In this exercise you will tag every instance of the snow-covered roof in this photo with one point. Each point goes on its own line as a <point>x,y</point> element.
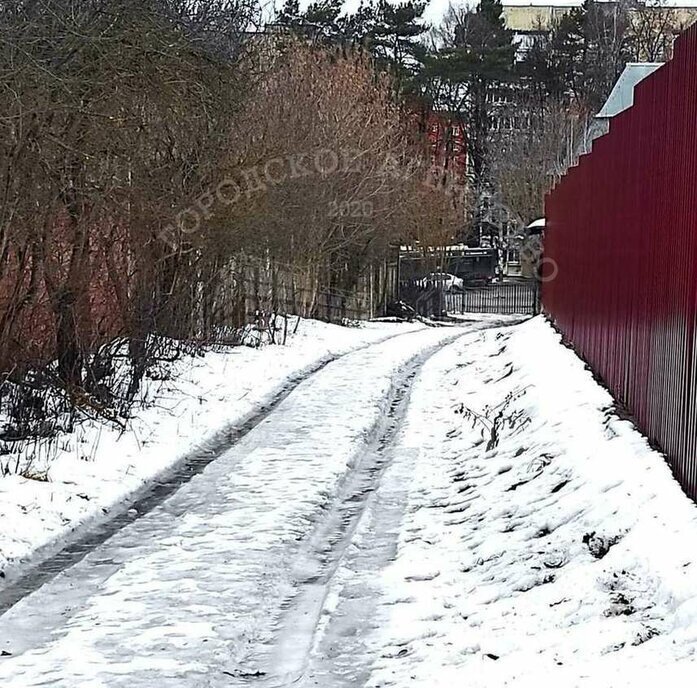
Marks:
<point>537,223</point>
<point>622,95</point>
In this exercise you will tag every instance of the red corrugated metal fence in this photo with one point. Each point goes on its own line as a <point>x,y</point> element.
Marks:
<point>622,231</point>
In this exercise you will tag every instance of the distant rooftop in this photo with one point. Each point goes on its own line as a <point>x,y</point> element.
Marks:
<point>533,17</point>
<point>524,15</point>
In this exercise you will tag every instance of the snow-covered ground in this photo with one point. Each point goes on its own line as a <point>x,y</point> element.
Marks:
<point>97,469</point>
<point>451,507</point>
<point>189,594</point>
<point>565,555</point>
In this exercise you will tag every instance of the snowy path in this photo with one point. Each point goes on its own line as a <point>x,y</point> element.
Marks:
<point>260,397</point>
<point>561,554</point>
<point>202,591</point>
<point>187,411</point>
<point>372,532</point>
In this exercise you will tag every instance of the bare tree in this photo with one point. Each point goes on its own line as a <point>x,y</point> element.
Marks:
<point>653,25</point>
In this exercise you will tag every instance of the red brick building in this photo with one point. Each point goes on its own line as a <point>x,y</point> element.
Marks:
<point>448,141</point>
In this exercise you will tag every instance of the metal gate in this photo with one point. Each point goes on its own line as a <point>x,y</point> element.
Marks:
<point>505,298</point>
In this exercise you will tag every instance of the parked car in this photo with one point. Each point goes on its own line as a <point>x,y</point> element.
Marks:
<point>444,280</point>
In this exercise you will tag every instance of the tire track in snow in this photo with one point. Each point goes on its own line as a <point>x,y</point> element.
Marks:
<point>297,657</point>
<point>46,566</point>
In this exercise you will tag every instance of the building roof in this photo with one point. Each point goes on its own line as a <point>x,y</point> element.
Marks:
<point>622,95</point>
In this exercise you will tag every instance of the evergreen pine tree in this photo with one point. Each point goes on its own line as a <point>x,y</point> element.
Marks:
<point>394,39</point>
<point>391,32</point>
<point>471,76</point>
<point>321,21</point>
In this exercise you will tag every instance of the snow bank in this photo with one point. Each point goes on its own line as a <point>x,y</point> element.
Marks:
<point>559,552</point>
<point>96,469</point>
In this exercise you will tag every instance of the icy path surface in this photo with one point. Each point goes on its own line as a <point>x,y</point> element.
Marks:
<point>200,591</point>
<point>191,408</point>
